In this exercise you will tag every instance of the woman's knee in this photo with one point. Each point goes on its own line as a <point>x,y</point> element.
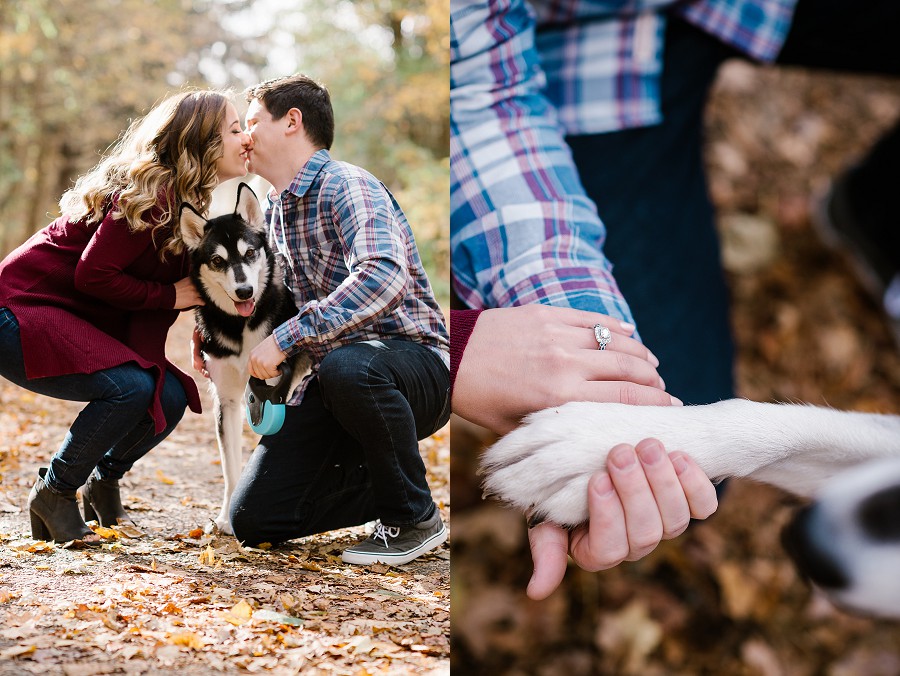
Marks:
<point>131,387</point>
<point>174,400</point>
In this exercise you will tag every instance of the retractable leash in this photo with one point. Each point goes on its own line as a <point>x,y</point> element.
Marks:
<point>265,403</point>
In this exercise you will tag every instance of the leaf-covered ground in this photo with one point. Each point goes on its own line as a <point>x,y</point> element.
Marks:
<point>173,600</point>
<point>723,599</point>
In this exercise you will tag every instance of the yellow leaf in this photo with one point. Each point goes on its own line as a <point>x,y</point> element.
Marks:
<point>107,533</point>
<point>239,613</point>
<point>163,478</point>
<point>265,546</point>
<point>188,639</point>
<point>208,556</point>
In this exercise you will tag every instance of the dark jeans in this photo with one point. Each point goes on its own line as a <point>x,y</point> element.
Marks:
<point>349,452</point>
<point>114,430</point>
<point>651,192</point>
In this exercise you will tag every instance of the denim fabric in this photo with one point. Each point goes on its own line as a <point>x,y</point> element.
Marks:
<point>114,430</point>
<point>349,452</point>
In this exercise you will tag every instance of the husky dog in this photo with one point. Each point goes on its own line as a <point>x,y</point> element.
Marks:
<point>848,543</point>
<point>240,281</point>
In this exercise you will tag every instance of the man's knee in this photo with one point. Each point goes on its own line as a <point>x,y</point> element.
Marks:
<point>247,521</point>
<point>348,372</point>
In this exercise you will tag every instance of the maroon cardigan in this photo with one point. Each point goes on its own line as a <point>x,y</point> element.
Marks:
<point>462,323</point>
<point>89,297</point>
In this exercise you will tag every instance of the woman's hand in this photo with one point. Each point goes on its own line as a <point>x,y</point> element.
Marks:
<point>186,294</point>
<point>197,360</point>
<point>645,496</point>
<point>522,359</point>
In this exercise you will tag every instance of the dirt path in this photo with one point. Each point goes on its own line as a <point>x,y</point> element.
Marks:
<point>176,601</point>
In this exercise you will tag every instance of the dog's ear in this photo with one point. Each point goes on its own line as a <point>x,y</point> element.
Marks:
<point>192,226</point>
<point>248,208</point>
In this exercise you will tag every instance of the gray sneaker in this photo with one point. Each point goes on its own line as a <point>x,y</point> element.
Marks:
<point>396,545</point>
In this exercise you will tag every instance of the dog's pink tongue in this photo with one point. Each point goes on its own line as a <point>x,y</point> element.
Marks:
<point>245,308</point>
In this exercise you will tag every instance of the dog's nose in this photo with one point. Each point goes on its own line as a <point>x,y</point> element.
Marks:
<point>244,292</point>
<point>808,543</point>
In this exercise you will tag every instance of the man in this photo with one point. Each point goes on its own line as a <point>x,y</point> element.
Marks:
<point>348,450</point>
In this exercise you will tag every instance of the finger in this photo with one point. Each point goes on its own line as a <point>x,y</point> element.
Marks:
<point>549,551</point>
<point>642,519</point>
<point>667,489</point>
<point>623,393</point>
<point>609,365</point>
<point>619,342</point>
<point>586,320</point>
<point>604,542</point>
<point>698,489</point>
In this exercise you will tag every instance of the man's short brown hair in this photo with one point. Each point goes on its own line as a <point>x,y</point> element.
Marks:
<point>298,91</point>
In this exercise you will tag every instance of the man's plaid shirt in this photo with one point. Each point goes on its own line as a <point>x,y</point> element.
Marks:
<point>521,78</point>
<point>350,258</point>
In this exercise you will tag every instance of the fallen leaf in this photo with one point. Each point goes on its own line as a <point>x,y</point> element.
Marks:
<point>208,556</point>
<point>239,613</point>
<point>188,639</point>
<point>17,651</point>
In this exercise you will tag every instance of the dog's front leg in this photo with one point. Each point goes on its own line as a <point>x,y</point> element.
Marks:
<point>544,466</point>
<point>228,409</point>
<point>229,425</point>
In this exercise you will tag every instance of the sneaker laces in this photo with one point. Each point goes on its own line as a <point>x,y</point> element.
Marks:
<point>384,532</point>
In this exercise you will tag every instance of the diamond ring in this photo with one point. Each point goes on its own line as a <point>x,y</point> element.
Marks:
<point>603,335</point>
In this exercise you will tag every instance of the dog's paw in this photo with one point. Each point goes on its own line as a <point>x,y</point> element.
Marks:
<point>219,526</point>
<point>543,467</point>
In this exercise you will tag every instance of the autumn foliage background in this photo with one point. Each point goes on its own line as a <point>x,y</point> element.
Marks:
<point>73,74</point>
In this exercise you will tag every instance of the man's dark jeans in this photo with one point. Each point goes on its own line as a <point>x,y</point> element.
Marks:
<point>114,430</point>
<point>349,452</point>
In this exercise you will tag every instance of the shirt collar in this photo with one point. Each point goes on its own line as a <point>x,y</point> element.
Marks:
<point>307,174</point>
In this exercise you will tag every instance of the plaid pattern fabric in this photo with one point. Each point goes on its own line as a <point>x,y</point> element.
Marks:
<point>349,256</point>
<point>521,78</point>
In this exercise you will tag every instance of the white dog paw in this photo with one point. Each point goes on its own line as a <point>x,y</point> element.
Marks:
<point>543,467</point>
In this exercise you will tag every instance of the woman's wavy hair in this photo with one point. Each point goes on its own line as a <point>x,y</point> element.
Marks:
<point>163,159</point>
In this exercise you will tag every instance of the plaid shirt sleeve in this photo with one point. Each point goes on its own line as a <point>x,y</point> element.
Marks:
<point>371,247</point>
<point>522,228</point>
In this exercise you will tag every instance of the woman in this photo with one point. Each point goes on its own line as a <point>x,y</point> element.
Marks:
<point>86,303</point>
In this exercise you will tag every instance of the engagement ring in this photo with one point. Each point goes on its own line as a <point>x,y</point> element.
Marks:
<point>603,336</point>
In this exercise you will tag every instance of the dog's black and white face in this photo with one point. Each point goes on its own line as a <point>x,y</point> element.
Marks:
<point>847,542</point>
<point>229,254</point>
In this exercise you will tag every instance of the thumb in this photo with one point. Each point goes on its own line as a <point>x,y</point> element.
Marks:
<point>549,551</point>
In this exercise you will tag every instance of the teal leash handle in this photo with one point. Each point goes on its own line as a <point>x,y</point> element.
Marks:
<point>266,403</point>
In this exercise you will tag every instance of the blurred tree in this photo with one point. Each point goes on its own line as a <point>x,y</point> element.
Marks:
<point>72,76</point>
<point>387,66</point>
<point>73,73</point>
